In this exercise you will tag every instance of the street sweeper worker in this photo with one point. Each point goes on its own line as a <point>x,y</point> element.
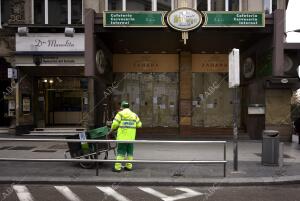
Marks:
<point>125,122</point>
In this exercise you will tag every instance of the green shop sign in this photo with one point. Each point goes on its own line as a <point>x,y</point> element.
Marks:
<point>134,19</point>
<point>156,19</point>
<point>233,19</point>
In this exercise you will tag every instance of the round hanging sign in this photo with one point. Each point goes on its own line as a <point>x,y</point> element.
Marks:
<point>184,19</point>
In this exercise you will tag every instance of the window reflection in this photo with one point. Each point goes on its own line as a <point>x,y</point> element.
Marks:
<point>58,12</point>
<point>76,11</point>
<point>164,4</point>
<point>139,5</point>
<point>114,4</point>
<point>234,5</point>
<point>218,5</point>
<point>267,6</point>
<point>202,5</point>
<point>39,12</point>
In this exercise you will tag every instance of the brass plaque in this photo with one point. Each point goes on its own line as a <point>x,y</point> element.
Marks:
<point>185,121</point>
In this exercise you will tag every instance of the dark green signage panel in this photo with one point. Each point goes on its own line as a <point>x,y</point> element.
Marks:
<point>234,19</point>
<point>134,19</point>
<point>156,19</point>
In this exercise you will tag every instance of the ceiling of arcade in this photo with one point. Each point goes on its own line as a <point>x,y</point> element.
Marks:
<point>169,41</point>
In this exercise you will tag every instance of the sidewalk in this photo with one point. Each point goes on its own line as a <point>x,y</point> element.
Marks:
<point>251,172</point>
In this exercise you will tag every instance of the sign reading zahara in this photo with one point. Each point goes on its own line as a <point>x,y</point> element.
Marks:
<point>183,19</point>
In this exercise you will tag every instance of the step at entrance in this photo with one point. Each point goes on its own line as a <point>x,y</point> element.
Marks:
<point>4,130</point>
<point>59,131</point>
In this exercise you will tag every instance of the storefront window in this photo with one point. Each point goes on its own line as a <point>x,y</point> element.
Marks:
<point>218,5</point>
<point>4,11</point>
<point>67,101</point>
<point>139,5</point>
<point>164,4</point>
<point>63,107</point>
<point>114,5</point>
<point>202,5</point>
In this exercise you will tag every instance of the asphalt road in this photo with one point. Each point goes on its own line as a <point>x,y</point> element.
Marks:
<point>16,192</point>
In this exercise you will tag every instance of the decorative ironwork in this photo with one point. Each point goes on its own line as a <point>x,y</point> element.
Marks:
<point>17,12</point>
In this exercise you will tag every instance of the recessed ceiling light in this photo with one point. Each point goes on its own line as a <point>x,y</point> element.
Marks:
<point>284,81</point>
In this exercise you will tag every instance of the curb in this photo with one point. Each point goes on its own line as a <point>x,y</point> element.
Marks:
<point>246,181</point>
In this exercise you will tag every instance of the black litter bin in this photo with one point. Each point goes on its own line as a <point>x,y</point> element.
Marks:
<point>270,148</point>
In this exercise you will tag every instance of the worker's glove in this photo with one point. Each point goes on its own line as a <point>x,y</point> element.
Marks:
<point>111,134</point>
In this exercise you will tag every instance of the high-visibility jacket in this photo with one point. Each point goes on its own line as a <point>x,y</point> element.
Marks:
<point>126,122</point>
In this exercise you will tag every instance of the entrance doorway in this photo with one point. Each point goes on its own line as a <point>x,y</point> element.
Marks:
<point>61,101</point>
<point>153,96</point>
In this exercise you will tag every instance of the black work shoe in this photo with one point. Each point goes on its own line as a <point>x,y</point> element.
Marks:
<point>127,169</point>
<point>114,170</point>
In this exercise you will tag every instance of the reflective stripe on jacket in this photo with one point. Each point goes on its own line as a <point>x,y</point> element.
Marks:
<point>126,122</point>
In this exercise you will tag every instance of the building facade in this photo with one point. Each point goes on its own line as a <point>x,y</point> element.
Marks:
<point>176,80</point>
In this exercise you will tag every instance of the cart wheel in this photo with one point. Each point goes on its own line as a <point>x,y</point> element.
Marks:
<point>87,165</point>
<point>84,165</point>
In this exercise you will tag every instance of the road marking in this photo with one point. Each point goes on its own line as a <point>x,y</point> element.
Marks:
<point>188,194</point>
<point>111,192</point>
<point>65,191</point>
<point>22,193</point>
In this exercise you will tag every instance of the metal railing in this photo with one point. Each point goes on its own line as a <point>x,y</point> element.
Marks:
<point>224,161</point>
